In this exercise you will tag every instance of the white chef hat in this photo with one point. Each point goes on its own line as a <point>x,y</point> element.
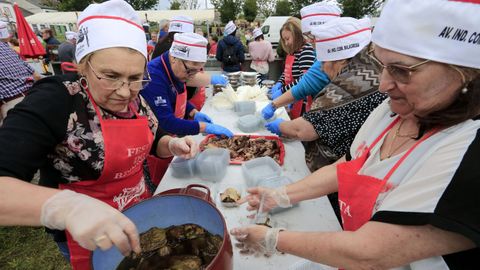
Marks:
<point>439,30</point>
<point>257,32</point>
<point>229,28</point>
<point>190,47</point>
<point>181,24</point>
<point>318,14</point>
<point>110,24</point>
<point>341,38</point>
<point>69,35</point>
<point>4,30</point>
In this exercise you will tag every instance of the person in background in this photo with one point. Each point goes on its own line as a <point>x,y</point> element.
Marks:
<point>89,135</point>
<point>408,187</point>
<point>146,28</point>
<point>167,93</point>
<point>309,84</point>
<point>153,41</point>
<point>248,36</point>
<point>261,53</point>
<point>178,24</point>
<point>300,57</point>
<point>16,76</point>
<point>48,37</point>
<point>230,50</point>
<point>13,42</point>
<point>163,27</point>
<point>213,41</point>
<point>66,50</point>
<point>199,31</point>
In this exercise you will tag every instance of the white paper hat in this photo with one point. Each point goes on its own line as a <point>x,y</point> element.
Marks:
<point>341,38</point>
<point>69,35</point>
<point>439,30</point>
<point>190,47</point>
<point>181,24</point>
<point>257,32</point>
<point>318,14</point>
<point>4,30</point>
<point>110,24</point>
<point>229,28</point>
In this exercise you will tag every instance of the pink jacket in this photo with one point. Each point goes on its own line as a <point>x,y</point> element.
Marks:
<point>261,52</point>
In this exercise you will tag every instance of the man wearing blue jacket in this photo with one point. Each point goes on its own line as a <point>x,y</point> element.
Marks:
<point>166,93</point>
<point>230,50</point>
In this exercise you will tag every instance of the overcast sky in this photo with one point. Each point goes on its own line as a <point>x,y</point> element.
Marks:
<point>165,4</point>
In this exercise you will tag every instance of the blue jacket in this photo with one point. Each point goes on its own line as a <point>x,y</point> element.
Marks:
<point>161,95</point>
<point>311,83</point>
<point>231,40</point>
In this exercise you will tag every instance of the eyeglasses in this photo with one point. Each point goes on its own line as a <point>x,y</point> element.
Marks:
<point>190,71</point>
<point>115,84</point>
<point>399,73</point>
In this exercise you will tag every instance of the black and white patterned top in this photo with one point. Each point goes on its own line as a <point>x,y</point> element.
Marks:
<point>304,59</point>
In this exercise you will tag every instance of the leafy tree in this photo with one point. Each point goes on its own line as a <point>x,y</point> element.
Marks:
<point>228,9</point>
<point>283,8</point>
<point>174,5</point>
<point>250,10</point>
<point>358,9</point>
<point>142,4</point>
<point>299,4</point>
<point>266,7</point>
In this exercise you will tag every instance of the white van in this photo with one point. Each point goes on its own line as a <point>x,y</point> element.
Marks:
<point>271,29</point>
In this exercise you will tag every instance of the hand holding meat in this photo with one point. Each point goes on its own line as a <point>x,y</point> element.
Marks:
<point>184,147</point>
<point>91,222</point>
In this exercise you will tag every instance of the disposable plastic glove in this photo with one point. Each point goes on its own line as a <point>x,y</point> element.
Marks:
<point>276,90</point>
<point>256,240</point>
<point>91,222</point>
<point>274,126</point>
<point>184,147</point>
<point>218,79</point>
<point>273,198</point>
<point>268,111</point>
<point>218,130</point>
<point>201,117</point>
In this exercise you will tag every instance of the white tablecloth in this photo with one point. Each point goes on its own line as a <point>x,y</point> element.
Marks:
<point>312,215</point>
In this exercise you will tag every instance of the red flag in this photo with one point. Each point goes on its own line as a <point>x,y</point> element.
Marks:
<point>30,46</point>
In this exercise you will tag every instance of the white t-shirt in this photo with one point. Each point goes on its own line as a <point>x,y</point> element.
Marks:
<point>437,184</point>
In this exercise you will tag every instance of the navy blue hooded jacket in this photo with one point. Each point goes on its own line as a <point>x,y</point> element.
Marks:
<point>231,40</point>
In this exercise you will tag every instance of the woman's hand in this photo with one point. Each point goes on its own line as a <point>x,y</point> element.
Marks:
<point>184,147</point>
<point>256,240</point>
<point>91,222</point>
<point>272,198</point>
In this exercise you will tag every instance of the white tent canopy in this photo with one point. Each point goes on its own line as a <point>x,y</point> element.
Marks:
<point>199,16</point>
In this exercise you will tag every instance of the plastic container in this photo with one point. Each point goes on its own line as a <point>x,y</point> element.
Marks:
<point>244,107</point>
<point>211,164</point>
<point>183,168</point>
<point>259,169</point>
<point>268,83</point>
<point>249,123</point>
<point>275,182</point>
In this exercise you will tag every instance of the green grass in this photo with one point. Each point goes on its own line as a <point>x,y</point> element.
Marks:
<point>27,248</point>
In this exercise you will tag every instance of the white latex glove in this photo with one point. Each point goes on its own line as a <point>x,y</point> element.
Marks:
<point>273,198</point>
<point>256,240</point>
<point>91,222</point>
<point>184,147</point>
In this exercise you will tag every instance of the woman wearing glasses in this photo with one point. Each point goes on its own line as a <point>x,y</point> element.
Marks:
<point>408,188</point>
<point>167,94</point>
<point>89,135</point>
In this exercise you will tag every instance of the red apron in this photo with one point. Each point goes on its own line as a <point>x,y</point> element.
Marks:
<point>358,193</point>
<point>158,166</point>
<point>198,99</point>
<point>296,110</point>
<point>121,184</point>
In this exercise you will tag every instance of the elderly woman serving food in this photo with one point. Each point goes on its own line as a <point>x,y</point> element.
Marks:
<point>408,186</point>
<point>88,134</point>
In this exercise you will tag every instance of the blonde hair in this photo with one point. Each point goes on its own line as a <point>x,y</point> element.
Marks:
<point>294,26</point>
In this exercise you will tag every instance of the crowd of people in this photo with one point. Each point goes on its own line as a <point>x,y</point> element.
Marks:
<point>389,118</point>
